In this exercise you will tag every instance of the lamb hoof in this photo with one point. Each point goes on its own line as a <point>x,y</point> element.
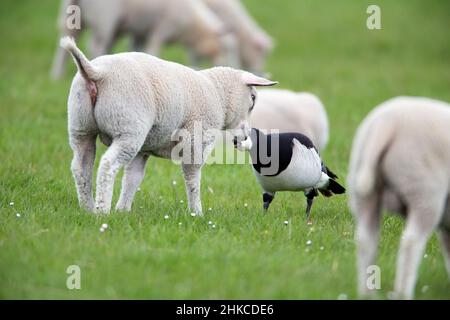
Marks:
<point>98,210</point>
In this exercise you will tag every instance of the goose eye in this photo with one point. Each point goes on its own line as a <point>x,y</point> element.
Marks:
<point>253,97</point>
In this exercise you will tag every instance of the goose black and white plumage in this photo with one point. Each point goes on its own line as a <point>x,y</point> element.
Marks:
<point>296,166</point>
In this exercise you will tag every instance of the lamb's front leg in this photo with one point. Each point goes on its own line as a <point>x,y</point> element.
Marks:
<point>134,173</point>
<point>82,167</point>
<point>192,177</point>
<point>192,169</point>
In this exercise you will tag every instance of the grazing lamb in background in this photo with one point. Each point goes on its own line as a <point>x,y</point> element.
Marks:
<point>400,161</point>
<point>136,103</point>
<point>290,111</point>
<point>151,24</point>
<point>254,43</point>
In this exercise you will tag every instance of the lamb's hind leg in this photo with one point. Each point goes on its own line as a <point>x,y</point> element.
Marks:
<point>444,236</point>
<point>134,173</point>
<point>367,211</point>
<point>422,219</point>
<point>82,166</point>
<point>121,151</point>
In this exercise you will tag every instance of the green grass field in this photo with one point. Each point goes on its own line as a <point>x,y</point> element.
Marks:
<point>321,46</point>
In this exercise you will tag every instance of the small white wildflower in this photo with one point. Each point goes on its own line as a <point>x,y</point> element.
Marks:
<point>308,243</point>
<point>102,230</point>
<point>286,222</point>
<point>105,226</point>
<point>210,190</point>
<point>166,216</point>
<point>425,288</point>
<point>18,215</point>
<point>174,182</point>
<point>321,248</point>
<point>11,203</point>
<point>425,256</point>
<point>180,223</point>
<point>181,201</point>
<point>309,223</point>
<point>193,214</point>
<point>138,189</point>
<point>245,205</point>
<point>210,222</point>
<point>214,226</point>
<point>209,209</point>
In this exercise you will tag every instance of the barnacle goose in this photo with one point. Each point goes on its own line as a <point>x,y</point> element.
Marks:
<point>288,162</point>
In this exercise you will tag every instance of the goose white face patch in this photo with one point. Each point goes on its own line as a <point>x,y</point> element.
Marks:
<point>247,144</point>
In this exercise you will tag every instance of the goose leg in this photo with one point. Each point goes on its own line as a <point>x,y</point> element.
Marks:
<point>310,195</point>
<point>267,199</point>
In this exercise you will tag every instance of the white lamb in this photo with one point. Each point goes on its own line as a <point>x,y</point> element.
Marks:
<point>253,42</point>
<point>136,103</point>
<point>151,25</point>
<point>290,111</point>
<point>400,161</point>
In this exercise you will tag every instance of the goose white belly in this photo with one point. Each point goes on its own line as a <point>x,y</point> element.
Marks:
<point>304,171</point>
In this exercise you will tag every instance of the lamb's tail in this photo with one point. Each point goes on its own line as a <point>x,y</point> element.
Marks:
<point>85,67</point>
<point>371,142</point>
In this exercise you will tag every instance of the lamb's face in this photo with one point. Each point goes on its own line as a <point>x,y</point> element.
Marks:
<point>242,104</point>
<point>243,97</point>
<point>241,136</point>
<point>237,95</point>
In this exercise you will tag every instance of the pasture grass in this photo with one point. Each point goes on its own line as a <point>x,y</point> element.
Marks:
<point>321,46</point>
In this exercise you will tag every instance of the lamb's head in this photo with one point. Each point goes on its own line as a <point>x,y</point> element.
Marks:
<point>210,39</point>
<point>220,47</point>
<point>238,95</point>
<point>255,50</point>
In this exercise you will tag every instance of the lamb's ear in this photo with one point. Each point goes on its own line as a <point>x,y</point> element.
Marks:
<point>252,80</point>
